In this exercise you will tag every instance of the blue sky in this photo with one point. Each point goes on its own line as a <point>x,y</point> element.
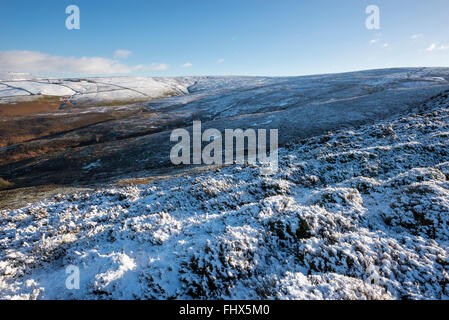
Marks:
<point>209,37</point>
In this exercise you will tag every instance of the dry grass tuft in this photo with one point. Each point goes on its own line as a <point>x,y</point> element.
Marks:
<point>4,184</point>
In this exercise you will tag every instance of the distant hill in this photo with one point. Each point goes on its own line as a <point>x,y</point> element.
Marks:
<point>16,76</point>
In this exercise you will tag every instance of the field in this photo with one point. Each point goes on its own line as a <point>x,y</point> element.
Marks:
<point>357,210</point>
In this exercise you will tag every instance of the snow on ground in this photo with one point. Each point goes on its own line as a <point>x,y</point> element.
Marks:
<point>132,88</point>
<point>222,90</point>
<point>18,76</point>
<point>353,214</point>
<point>39,88</point>
<point>93,90</point>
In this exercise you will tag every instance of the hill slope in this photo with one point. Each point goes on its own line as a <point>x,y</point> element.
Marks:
<point>351,214</point>
<point>133,139</point>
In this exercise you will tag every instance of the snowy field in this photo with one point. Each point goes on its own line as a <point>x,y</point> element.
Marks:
<point>91,90</point>
<point>345,208</point>
<point>109,134</point>
<point>222,91</point>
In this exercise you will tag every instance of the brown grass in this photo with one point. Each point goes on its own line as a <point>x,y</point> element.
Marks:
<point>4,184</point>
<point>41,104</point>
<point>134,181</point>
<point>14,130</point>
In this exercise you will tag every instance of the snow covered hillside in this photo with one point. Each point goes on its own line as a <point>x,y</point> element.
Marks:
<point>91,90</point>
<point>16,76</point>
<point>120,138</point>
<point>351,214</point>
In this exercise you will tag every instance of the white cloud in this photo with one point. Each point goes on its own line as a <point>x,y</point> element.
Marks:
<point>38,62</point>
<point>220,60</point>
<point>416,35</point>
<point>436,46</point>
<point>152,67</point>
<point>159,66</point>
<point>432,47</point>
<point>377,40</point>
<point>186,65</point>
<point>122,54</point>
